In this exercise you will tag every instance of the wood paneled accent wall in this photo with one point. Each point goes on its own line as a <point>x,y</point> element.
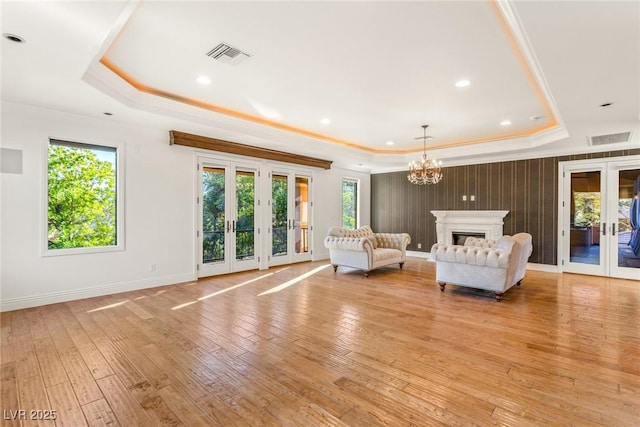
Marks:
<point>528,189</point>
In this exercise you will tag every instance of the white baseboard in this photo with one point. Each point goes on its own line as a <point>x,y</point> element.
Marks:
<point>544,267</point>
<point>11,304</point>
<point>419,254</point>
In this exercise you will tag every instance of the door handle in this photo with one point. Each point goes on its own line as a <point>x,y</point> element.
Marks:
<point>289,221</point>
<point>228,226</point>
<point>613,228</point>
<point>234,225</point>
<point>604,228</point>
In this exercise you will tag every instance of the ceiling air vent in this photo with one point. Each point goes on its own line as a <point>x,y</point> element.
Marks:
<point>612,138</point>
<point>227,54</point>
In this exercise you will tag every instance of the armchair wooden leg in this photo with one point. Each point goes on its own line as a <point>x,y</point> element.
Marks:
<point>442,285</point>
<point>499,296</point>
<point>401,265</point>
<point>335,268</point>
<point>519,282</point>
<point>366,274</point>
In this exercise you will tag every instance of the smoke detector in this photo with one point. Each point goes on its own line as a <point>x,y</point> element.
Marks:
<point>227,54</point>
<point>612,138</point>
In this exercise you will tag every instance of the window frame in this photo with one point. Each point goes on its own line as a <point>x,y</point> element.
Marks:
<point>356,181</point>
<point>120,209</point>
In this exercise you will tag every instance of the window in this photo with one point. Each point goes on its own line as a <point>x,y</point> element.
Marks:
<point>83,198</point>
<point>350,203</point>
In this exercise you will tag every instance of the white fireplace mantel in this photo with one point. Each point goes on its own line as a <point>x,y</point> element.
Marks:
<point>489,223</point>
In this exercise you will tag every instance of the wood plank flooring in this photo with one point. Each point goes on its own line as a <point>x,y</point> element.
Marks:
<point>275,348</point>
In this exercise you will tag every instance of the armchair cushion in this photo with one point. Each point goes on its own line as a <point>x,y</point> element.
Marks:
<point>483,257</point>
<point>480,242</point>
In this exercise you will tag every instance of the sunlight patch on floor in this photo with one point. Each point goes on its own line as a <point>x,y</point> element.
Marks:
<point>177,307</point>
<point>294,280</point>
<point>230,288</point>
<point>115,304</point>
<point>235,286</point>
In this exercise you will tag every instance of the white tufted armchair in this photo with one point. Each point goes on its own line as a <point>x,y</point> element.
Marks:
<point>365,250</point>
<point>494,265</point>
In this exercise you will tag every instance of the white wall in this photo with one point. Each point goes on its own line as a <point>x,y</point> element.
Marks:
<point>328,204</point>
<point>159,211</point>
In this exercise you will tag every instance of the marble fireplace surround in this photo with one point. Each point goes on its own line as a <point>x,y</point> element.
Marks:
<point>489,223</point>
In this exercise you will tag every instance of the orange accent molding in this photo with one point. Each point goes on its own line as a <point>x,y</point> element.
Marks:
<point>538,92</point>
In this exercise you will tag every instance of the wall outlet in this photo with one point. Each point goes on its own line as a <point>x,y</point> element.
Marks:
<point>419,245</point>
<point>464,197</point>
<point>473,198</point>
<point>152,267</point>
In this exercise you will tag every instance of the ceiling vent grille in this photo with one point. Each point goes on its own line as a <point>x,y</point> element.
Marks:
<point>613,138</point>
<point>227,54</point>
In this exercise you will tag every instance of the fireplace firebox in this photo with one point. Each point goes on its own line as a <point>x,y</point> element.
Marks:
<point>458,238</point>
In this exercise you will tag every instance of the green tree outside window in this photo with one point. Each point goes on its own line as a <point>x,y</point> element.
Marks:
<point>587,209</point>
<point>82,208</point>
<point>349,203</point>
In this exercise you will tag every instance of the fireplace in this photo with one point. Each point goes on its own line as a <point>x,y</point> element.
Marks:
<point>487,224</point>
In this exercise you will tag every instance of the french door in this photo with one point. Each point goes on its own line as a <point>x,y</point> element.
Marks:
<point>227,210</point>
<point>600,216</point>
<point>290,225</point>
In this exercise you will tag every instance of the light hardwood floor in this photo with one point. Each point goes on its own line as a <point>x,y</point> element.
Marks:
<point>331,349</point>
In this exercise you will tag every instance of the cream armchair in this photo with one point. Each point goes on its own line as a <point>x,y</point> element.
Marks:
<point>365,250</point>
<point>494,265</point>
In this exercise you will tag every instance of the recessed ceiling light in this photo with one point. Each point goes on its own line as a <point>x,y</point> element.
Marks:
<point>325,121</point>
<point>505,123</point>
<point>463,83</point>
<point>13,38</point>
<point>203,80</point>
<point>606,104</point>
<point>390,142</point>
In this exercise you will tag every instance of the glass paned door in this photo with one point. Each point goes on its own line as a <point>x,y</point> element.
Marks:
<point>584,232</point>
<point>244,225</point>
<point>624,229</point>
<point>302,215</point>
<point>213,215</point>
<point>227,237</point>
<point>600,217</point>
<point>280,223</point>
<point>290,217</point>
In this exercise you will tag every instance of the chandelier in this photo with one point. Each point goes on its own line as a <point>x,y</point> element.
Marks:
<point>427,171</point>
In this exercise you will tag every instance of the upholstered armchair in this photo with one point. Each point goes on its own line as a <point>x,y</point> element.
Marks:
<point>365,250</point>
<point>494,265</point>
